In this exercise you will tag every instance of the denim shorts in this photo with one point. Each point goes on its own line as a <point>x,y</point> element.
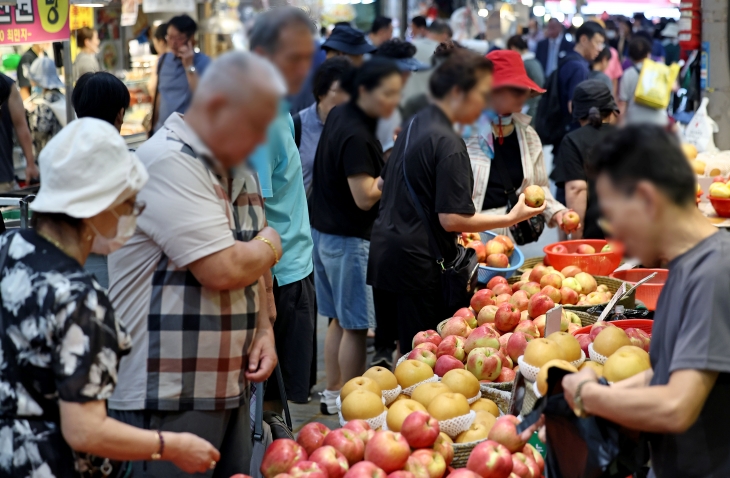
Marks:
<point>340,269</point>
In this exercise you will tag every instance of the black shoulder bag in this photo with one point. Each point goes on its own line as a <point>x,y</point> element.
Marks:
<point>459,277</point>
<point>523,232</point>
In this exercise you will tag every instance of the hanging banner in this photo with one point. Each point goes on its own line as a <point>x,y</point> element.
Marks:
<point>168,6</point>
<point>34,21</point>
<point>81,17</point>
<point>129,12</point>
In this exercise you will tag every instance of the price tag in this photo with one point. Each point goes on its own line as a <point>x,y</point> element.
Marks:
<point>616,297</point>
<point>552,320</point>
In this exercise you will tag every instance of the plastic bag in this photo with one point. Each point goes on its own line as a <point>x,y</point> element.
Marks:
<point>700,129</point>
<point>655,85</point>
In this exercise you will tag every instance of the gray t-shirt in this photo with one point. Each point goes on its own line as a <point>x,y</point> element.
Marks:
<point>638,113</point>
<point>312,128</point>
<point>692,331</point>
<point>85,63</point>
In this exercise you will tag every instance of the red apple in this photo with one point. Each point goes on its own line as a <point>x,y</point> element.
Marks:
<point>534,196</point>
<point>445,447</point>
<point>388,450</point>
<point>504,431</point>
<point>571,271</point>
<point>360,428</point>
<point>482,336</point>
<point>552,279</point>
<point>518,286</point>
<point>568,296</point>
<point>506,318</point>
<point>401,474</point>
<point>520,299</point>
<point>347,443</point>
<point>426,346</point>
<point>528,327</point>
<point>519,467</point>
<point>586,249</point>
<point>540,324</point>
<point>467,237</point>
<point>420,430</point>
<point>281,455</point>
<point>502,299</point>
<point>584,340</point>
<point>499,261</point>
<point>484,363</point>
<point>552,292</point>
<point>639,338</point>
<point>456,326</point>
<point>434,462</point>
<point>503,339</point>
<point>463,473</point>
<point>365,469</point>
<point>598,327</point>
<point>311,436</point>
<point>481,299</point>
<point>446,363</point>
<point>537,272</point>
<point>467,314</point>
<point>509,246</point>
<point>531,288</point>
<point>559,249</point>
<point>479,248</point>
<point>500,289</point>
<point>416,467</point>
<point>422,355</point>
<point>494,247</point>
<point>539,305</point>
<point>719,179</point>
<point>427,336</point>
<point>496,280</point>
<point>490,459</point>
<point>506,375</point>
<point>308,469</point>
<point>517,344</point>
<point>571,221</point>
<point>452,345</point>
<point>486,315</point>
<point>530,450</point>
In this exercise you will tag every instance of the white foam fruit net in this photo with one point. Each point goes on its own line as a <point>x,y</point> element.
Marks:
<point>409,390</point>
<point>536,391</point>
<point>375,423</point>
<point>390,395</point>
<point>401,360</point>
<point>474,398</point>
<point>456,425</point>
<point>595,356</point>
<point>528,371</point>
<point>579,362</point>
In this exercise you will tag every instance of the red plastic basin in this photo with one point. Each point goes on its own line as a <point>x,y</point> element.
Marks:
<point>648,292</point>
<point>643,324</point>
<point>721,205</point>
<point>598,264</point>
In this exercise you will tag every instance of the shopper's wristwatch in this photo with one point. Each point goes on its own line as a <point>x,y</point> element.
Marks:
<point>578,407</point>
<point>191,69</point>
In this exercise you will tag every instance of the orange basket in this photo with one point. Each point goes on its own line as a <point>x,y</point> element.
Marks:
<point>643,324</point>
<point>648,292</point>
<point>721,205</point>
<point>598,264</point>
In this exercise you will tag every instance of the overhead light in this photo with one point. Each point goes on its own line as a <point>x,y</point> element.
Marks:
<point>483,12</point>
<point>538,10</point>
<point>527,3</point>
<point>577,21</point>
<point>560,16</point>
<point>91,3</point>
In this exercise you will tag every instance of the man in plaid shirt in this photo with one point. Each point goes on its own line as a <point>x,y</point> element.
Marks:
<point>188,284</point>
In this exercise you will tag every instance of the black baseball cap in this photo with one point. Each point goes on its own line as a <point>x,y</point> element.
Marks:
<point>348,40</point>
<point>589,94</point>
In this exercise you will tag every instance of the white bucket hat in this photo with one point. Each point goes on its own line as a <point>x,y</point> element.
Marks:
<point>85,169</point>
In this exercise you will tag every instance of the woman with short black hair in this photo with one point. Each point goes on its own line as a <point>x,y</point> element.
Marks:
<point>103,96</point>
<point>345,195</point>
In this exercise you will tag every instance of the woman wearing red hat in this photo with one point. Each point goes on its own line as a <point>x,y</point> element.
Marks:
<point>505,151</point>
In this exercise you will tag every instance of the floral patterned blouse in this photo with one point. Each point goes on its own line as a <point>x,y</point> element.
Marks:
<point>43,122</point>
<point>61,338</point>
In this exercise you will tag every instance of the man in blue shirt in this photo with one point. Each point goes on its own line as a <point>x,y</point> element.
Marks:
<point>590,40</point>
<point>284,36</point>
<point>179,69</point>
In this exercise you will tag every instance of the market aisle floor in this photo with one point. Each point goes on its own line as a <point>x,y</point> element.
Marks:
<point>303,414</point>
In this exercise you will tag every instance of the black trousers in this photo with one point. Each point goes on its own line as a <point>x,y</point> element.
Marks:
<point>294,331</point>
<point>400,316</point>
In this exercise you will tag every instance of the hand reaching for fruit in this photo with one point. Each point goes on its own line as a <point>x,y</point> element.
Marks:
<point>569,221</point>
<point>522,212</point>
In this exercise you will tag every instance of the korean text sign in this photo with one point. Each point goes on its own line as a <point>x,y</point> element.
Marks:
<point>34,21</point>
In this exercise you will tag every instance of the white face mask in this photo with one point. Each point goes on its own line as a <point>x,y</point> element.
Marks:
<point>125,230</point>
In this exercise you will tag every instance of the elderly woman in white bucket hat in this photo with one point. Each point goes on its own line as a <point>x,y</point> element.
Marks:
<point>48,107</point>
<point>60,341</point>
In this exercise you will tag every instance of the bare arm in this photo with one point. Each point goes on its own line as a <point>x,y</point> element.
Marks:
<point>485,222</point>
<point>262,357</point>
<point>17,114</point>
<point>671,408</point>
<point>87,428</point>
<point>238,266</point>
<point>365,190</point>
<point>576,197</point>
<point>269,289</point>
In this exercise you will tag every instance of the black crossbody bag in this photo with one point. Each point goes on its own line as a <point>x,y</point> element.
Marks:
<point>523,232</point>
<point>458,277</point>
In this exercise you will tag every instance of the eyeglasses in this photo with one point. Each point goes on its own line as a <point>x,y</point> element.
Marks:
<point>176,38</point>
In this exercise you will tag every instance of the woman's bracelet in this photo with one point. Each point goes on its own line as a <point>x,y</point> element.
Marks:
<point>161,450</point>
<point>273,248</point>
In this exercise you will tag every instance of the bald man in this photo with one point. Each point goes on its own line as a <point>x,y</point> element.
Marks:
<point>190,290</point>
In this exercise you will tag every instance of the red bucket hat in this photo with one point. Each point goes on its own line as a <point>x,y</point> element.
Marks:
<point>509,71</point>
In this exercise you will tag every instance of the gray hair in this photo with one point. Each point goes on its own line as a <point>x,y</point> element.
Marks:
<point>269,25</point>
<point>224,74</point>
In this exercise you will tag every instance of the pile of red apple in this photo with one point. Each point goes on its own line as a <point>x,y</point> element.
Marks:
<point>420,450</point>
<point>495,253</point>
<point>570,286</point>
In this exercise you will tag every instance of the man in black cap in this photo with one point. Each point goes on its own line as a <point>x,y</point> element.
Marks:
<point>347,41</point>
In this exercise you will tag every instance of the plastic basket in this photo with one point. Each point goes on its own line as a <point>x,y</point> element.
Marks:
<point>600,263</point>
<point>515,262</point>
<point>643,324</point>
<point>648,293</point>
<point>721,205</point>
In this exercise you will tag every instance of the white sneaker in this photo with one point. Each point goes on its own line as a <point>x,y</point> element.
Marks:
<point>328,402</point>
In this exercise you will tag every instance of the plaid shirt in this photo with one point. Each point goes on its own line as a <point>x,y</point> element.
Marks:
<point>197,339</point>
